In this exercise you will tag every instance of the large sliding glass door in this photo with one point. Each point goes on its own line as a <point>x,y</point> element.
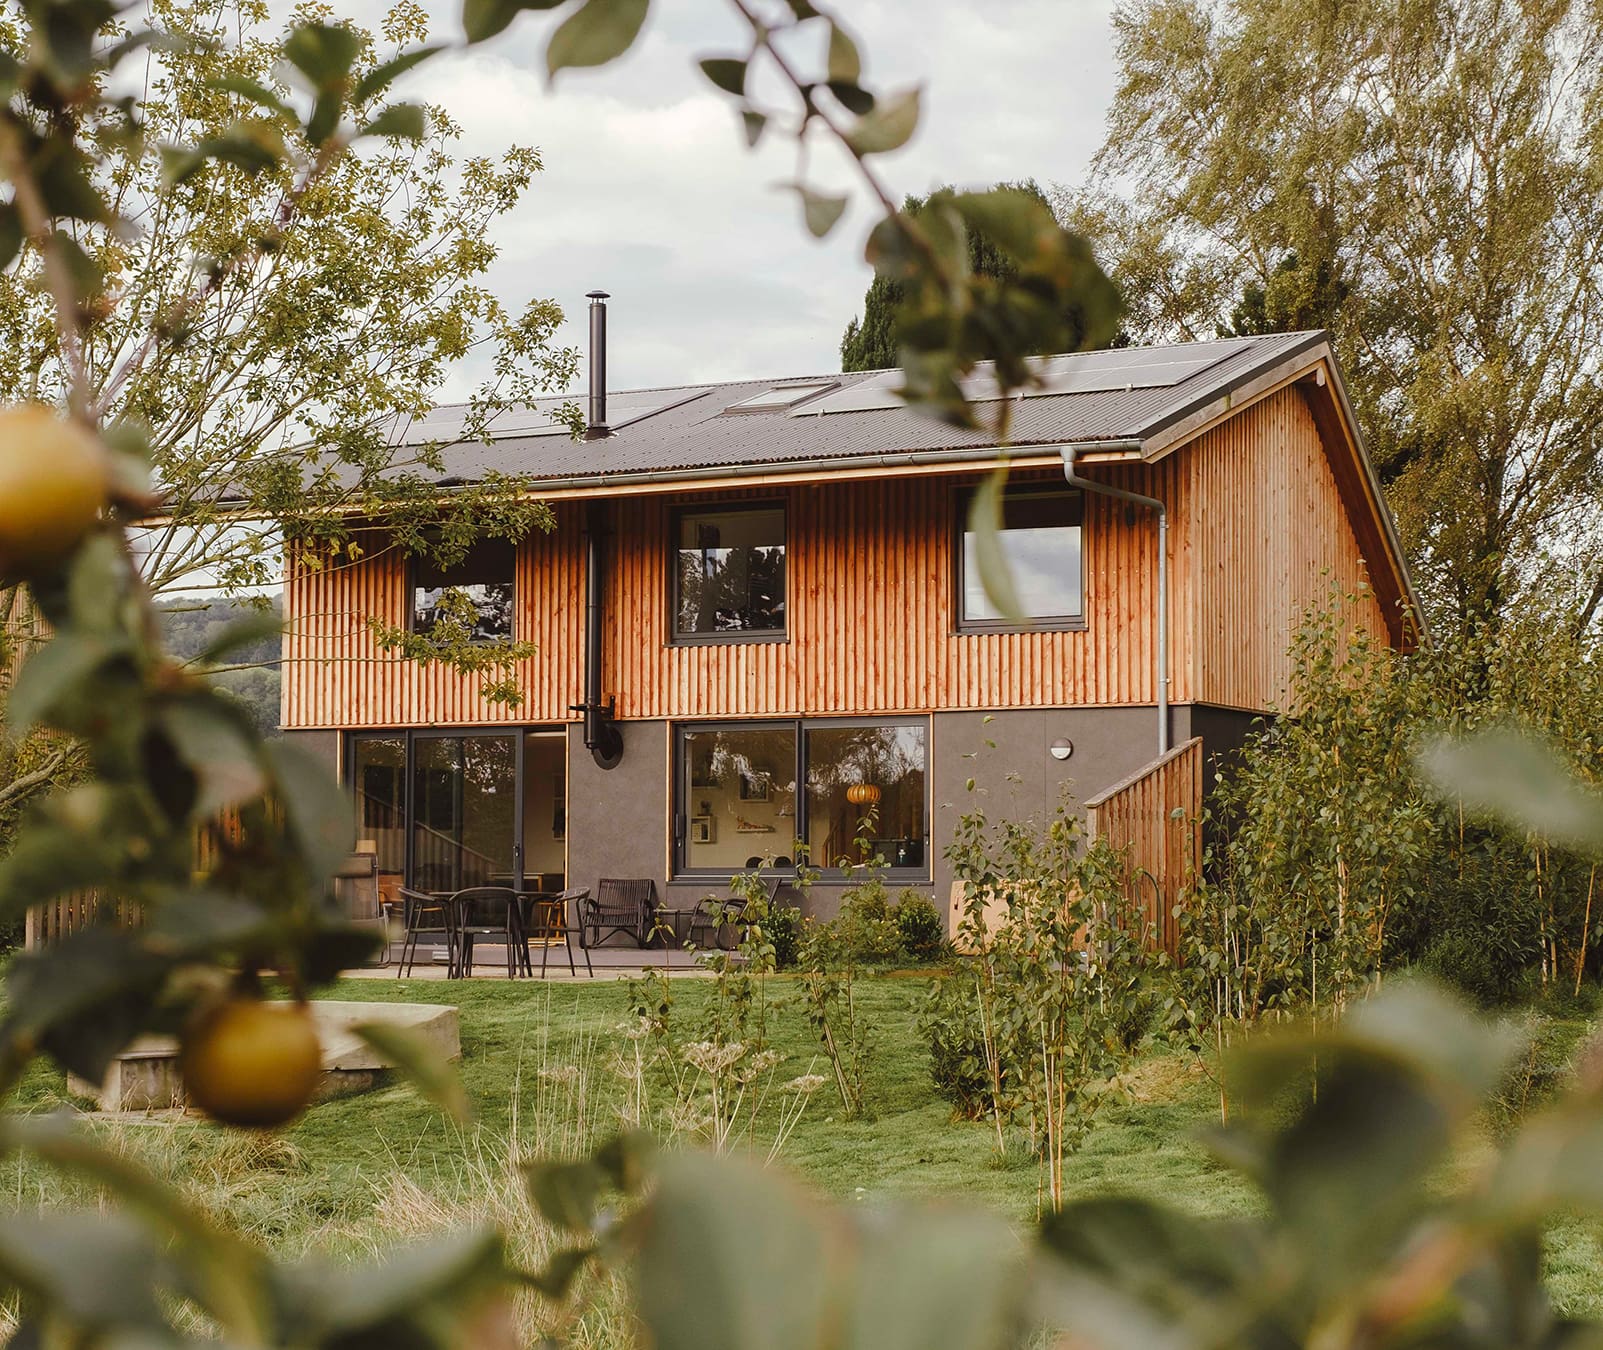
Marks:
<point>465,819</point>
<point>449,809</point>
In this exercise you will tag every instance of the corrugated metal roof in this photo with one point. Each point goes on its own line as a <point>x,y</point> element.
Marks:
<point>687,427</point>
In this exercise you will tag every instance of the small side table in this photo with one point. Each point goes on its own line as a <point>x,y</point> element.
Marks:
<point>676,923</point>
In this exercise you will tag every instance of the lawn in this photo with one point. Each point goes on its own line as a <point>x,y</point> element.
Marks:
<point>549,1071</point>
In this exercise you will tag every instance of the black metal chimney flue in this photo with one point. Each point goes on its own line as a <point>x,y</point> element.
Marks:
<point>596,423</point>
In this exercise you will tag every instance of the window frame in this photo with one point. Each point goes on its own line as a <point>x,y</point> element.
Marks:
<point>412,589</point>
<point>738,635</point>
<point>680,797</point>
<point>962,499</point>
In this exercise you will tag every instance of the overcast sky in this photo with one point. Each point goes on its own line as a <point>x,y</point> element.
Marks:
<point>649,192</point>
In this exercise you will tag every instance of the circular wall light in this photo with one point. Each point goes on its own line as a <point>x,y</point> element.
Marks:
<point>1061,748</point>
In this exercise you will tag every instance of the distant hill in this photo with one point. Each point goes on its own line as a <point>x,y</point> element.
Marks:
<point>190,623</point>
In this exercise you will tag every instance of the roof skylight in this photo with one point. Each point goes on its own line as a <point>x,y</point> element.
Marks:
<point>783,396</point>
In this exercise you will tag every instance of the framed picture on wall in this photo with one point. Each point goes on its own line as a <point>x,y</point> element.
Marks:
<point>753,787</point>
<point>703,830</point>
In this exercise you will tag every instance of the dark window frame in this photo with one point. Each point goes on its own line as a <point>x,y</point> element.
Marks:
<point>739,635</point>
<point>679,800</point>
<point>962,497</point>
<point>412,589</point>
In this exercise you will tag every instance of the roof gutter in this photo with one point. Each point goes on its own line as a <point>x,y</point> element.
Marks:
<point>1161,675</point>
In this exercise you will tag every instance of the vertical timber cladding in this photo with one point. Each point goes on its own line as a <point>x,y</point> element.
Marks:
<point>336,676</point>
<point>870,574</point>
<point>1273,539</point>
<point>1258,534</point>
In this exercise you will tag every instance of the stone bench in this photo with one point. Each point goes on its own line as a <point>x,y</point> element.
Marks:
<point>145,1076</point>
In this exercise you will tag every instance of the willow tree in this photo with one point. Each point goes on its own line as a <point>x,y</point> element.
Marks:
<point>1424,179</point>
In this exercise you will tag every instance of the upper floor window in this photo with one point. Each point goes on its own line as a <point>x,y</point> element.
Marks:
<point>477,590</point>
<point>1040,539</point>
<point>729,573</point>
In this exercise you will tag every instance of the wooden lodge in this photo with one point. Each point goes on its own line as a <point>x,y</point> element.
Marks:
<point>759,612</point>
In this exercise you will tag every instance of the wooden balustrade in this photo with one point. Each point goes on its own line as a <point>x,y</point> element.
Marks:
<point>1155,817</point>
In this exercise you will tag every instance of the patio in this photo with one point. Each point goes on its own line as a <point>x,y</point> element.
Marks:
<point>490,962</point>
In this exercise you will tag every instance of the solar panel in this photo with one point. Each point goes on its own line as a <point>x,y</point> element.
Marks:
<point>527,421</point>
<point>625,409</point>
<point>1079,373</point>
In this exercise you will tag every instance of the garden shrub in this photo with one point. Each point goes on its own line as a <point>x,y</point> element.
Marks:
<point>785,933</point>
<point>866,928</point>
<point>920,930</point>
<point>960,1068</point>
<point>1057,983</point>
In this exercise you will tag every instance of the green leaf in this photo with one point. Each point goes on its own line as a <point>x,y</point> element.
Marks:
<point>1014,221</point>
<point>85,998</point>
<point>1508,774</point>
<point>566,1193</point>
<point>483,19</point>
<point>925,1278</point>
<point>10,235</point>
<point>208,737</point>
<point>323,52</point>
<point>626,1160</point>
<point>96,1270</point>
<point>845,64</point>
<point>366,1306</point>
<point>597,32</point>
<point>405,121</point>
<point>62,172</point>
<point>254,91</point>
<point>556,1277</point>
<point>732,1256</point>
<point>221,1272</point>
<point>58,677</point>
<point>377,80</point>
<point>820,210</point>
<point>853,97</point>
<point>990,561</point>
<point>421,1061</point>
<point>318,809</point>
<point>249,629</point>
<point>199,922</point>
<point>727,72</point>
<point>753,124</point>
<point>888,127</point>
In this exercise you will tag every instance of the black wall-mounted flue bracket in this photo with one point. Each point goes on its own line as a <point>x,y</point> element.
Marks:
<point>603,737</point>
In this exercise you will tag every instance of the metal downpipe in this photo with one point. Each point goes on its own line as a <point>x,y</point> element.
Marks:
<point>1152,504</point>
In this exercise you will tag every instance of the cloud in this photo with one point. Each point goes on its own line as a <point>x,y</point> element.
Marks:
<point>649,192</point>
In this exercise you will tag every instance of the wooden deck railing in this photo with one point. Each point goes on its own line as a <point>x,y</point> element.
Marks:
<point>1164,848</point>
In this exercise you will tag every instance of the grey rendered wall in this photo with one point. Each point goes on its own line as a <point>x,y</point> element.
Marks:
<point>1015,777</point>
<point>618,818</point>
<point>325,745</point>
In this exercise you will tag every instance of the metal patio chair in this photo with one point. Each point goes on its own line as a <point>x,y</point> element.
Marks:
<point>547,924</point>
<point>423,912</point>
<point>626,906</point>
<point>486,912</point>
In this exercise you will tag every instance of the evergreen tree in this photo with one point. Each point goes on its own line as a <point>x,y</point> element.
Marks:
<point>870,343</point>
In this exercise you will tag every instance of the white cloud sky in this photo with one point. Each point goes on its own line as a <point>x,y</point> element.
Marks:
<point>649,192</point>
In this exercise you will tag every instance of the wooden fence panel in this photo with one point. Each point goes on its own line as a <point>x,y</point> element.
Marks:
<point>1164,850</point>
<point>59,917</point>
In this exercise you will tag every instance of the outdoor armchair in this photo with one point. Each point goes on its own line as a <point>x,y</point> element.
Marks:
<point>619,906</point>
